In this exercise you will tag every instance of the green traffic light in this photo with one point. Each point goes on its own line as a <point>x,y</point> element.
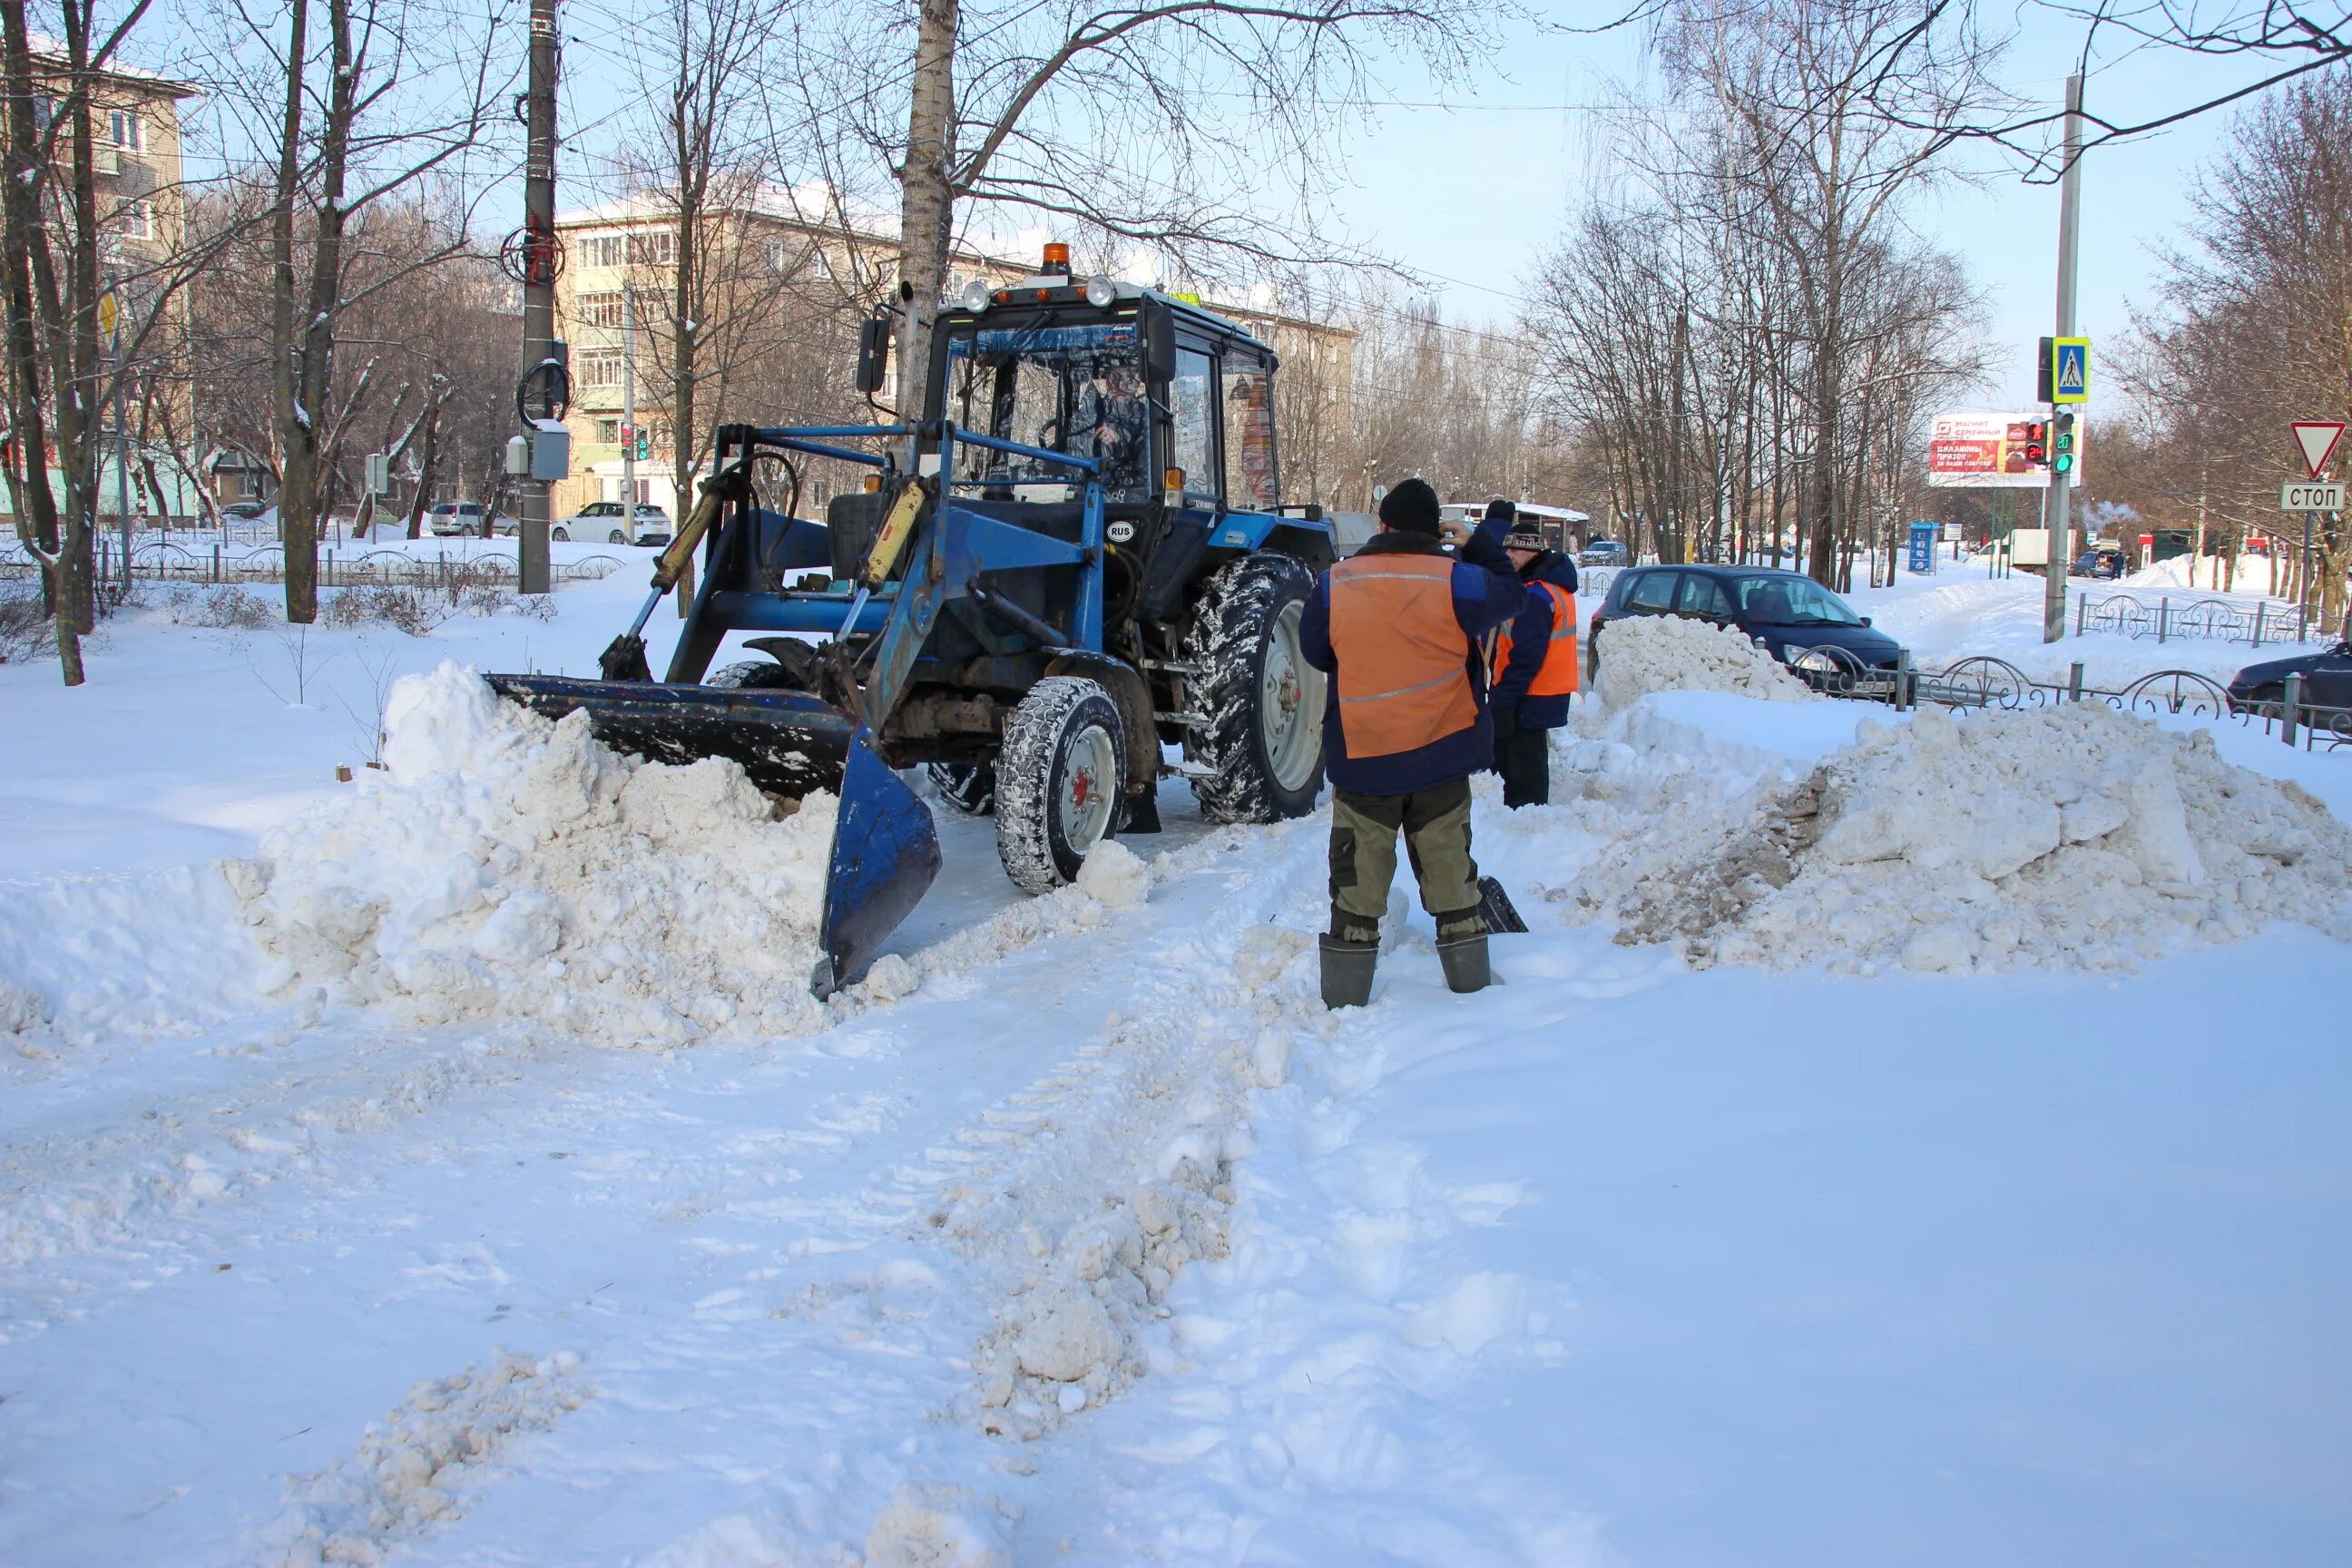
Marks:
<point>2063,463</point>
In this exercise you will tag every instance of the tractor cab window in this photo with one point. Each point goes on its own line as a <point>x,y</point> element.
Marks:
<point>1194,448</point>
<point>1077,390</point>
<point>1250,479</point>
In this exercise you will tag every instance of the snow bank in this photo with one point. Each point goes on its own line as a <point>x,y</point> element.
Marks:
<point>413,1471</point>
<point>1643,654</point>
<point>2074,838</point>
<point>509,865</point>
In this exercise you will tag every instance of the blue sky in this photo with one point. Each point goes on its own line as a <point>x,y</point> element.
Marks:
<point>1478,193</point>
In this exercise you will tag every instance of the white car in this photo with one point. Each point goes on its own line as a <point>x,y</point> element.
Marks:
<point>605,517</point>
<point>453,518</point>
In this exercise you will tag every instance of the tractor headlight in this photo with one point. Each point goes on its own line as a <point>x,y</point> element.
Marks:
<point>1101,292</point>
<point>975,295</point>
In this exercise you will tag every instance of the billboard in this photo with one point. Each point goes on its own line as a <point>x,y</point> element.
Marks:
<point>1986,450</point>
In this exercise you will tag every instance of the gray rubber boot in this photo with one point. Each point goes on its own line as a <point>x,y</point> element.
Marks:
<point>1347,971</point>
<point>1464,958</point>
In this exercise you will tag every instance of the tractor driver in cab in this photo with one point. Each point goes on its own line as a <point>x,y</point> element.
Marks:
<point>1109,425</point>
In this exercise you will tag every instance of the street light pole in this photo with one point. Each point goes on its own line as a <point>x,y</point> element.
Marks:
<point>539,288</point>
<point>2054,503</point>
<point>629,409</point>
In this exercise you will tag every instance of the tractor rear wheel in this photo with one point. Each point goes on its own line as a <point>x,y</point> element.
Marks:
<point>1262,703</point>
<point>1058,781</point>
<point>969,787</point>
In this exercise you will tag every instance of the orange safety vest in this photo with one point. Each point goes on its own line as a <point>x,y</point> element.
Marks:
<point>1557,678</point>
<point>1404,680</point>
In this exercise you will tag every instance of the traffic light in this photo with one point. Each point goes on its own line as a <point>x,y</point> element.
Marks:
<point>2045,372</point>
<point>645,445</point>
<point>2037,444</point>
<point>2061,445</point>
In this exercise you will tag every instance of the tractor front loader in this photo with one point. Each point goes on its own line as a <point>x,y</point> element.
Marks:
<point>1074,559</point>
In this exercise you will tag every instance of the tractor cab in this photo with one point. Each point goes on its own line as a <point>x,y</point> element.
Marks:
<point>1172,401</point>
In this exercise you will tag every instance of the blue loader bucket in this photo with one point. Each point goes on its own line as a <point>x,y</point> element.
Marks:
<point>886,849</point>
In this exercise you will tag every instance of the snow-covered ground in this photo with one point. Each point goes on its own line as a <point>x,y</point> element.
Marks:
<point>1081,1233</point>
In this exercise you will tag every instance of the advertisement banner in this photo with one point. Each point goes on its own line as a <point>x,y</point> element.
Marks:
<point>1986,450</point>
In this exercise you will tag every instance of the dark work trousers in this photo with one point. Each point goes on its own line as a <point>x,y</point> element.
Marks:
<point>1523,759</point>
<point>1435,823</point>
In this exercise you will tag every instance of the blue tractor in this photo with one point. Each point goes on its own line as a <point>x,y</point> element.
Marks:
<point>1076,559</point>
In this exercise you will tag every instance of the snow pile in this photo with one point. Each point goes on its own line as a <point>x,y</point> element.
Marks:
<point>410,1471</point>
<point>2074,838</point>
<point>1643,654</point>
<point>513,866</point>
<point>936,1527</point>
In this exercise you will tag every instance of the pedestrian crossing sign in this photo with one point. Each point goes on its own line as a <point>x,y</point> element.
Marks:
<point>2071,382</point>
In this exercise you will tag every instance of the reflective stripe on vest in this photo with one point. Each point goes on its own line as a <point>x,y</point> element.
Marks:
<point>1557,676</point>
<point>1403,676</point>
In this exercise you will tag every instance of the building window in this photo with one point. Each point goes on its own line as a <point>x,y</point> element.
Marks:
<point>135,220</point>
<point>608,432</point>
<point>599,310</point>
<point>600,250</point>
<point>652,248</point>
<point>127,130</point>
<point>600,367</point>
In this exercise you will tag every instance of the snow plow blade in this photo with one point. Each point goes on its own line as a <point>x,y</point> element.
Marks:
<point>886,850</point>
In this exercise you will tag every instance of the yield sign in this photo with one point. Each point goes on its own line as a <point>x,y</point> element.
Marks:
<point>2317,438</point>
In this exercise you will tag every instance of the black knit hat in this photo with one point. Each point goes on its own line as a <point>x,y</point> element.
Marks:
<point>1410,508</point>
<point>1499,508</point>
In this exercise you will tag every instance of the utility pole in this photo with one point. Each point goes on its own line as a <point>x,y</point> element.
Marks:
<point>112,315</point>
<point>539,345</point>
<point>2054,502</point>
<point>629,410</point>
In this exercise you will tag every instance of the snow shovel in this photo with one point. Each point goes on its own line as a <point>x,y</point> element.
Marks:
<point>1495,907</point>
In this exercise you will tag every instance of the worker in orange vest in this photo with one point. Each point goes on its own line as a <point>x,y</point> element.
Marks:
<point>1398,626</point>
<point>1531,662</point>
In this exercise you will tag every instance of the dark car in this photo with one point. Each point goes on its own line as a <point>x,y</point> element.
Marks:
<point>2327,682</point>
<point>1785,614</point>
<point>1601,552</point>
<point>247,511</point>
<point>2098,564</point>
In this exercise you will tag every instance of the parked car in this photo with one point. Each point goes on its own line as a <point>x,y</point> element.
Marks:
<point>1601,552</point>
<point>2098,564</point>
<point>1785,614</point>
<point>248,511</point>
<point>606,518</point>
<point>466,517</point>
<point>2327,682</point>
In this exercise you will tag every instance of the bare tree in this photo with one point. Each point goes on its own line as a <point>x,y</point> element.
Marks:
<point>365,101</point>
<point>1139,122</point>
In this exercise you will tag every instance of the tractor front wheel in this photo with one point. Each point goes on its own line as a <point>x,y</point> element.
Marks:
<point>1058,781</point>
<point>1261,704</point>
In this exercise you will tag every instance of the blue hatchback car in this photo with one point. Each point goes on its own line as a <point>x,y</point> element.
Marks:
<point>1778,611</point>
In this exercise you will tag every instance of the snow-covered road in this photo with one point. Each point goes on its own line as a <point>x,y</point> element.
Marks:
<point>1092,1239</point>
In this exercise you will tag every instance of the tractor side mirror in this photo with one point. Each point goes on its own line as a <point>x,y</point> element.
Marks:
<point>1158,345</point>
<point>873,352</point>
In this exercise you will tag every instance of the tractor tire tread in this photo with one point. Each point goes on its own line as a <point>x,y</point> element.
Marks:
<point>1027,841</point>
<point>1227,642</point>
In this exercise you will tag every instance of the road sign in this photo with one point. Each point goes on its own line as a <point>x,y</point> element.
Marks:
<point>2317,438</point>
<point>109,312</point>
<point>2071,379</point>
<point>2304,496</point>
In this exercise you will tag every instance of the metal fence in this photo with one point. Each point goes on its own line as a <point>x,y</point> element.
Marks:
<point>161,561</point>
<point>1984,682</point>
<point>2223,620</point>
